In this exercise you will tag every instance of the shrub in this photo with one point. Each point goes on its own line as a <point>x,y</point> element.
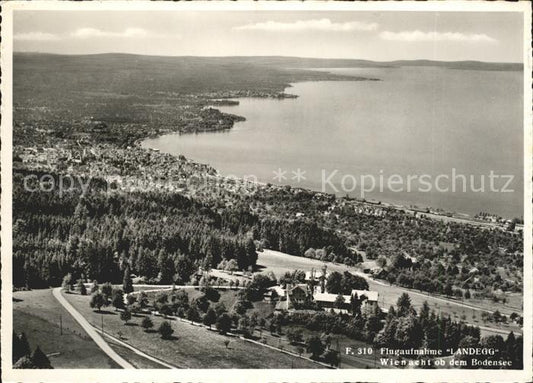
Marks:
<point>147,323</point>
<point>125,316</point>
<point>81,287</point>
<point>224,323</point>
<point>210,318</point>
<point>165,329</point>
<point>315,347</point>
<point>165,310</point>
<point>212,294</point>
<point>294,335</point>
<point>24,363</point>
<point>332,357</point>
<point>67,282</point>
<point>97,301</point>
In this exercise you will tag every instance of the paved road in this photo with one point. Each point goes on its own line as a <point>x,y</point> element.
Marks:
<point>90,330</point>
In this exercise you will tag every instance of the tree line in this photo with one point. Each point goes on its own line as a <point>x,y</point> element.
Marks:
<point>161,237</point>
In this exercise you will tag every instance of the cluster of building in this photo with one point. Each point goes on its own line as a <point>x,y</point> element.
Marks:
<point>248,93</point>
<point>314,290</point>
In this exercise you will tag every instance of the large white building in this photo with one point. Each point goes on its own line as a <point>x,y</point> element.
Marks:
<point>327,300</point>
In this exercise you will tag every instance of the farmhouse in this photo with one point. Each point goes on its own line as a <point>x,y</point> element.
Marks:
<point>298,294</point>
<point>371,301</point>
<point>273,293</point>
<point>314,276</point>
<point>327,300</point>
<point>314,290</point>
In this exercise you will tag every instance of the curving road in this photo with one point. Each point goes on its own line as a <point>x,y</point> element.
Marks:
<point>90,330</point>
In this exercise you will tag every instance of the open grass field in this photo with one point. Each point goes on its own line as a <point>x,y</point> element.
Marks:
<point>279,263</point>
<point>191,346</point>
<point>264,309</point>
<point>339,343</point>
<point>36,313</point>
<point>137,361</point>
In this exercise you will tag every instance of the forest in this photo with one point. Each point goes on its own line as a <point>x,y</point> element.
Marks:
<point>164,237</point>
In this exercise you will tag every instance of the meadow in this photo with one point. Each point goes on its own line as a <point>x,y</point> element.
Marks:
<point>190,346</point>
<point>37,314</point>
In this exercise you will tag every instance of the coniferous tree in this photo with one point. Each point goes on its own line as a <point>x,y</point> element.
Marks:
<point>21,346</point>
<point>117,299</point>
<point>127,284</point>
<point>81,287</point>
<point>403,304</point>
<point>95,288</point>
<point>210,317</point>
<point>40,360</point>
<point>67,282</point>
<point>125,315</point>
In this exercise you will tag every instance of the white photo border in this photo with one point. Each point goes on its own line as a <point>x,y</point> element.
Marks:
<point>250,375</point>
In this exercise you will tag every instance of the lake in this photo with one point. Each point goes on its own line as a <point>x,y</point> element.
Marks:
<point>410,135</point>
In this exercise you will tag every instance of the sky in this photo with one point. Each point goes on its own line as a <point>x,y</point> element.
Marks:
<point>380,35</point>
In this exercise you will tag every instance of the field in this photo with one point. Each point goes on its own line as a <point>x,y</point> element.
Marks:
<point>36,313</point>
<point>191,346</point>
<point>264,309</point>
<point>279,263</point>
<point>341,342</point>
<point>137,361</point>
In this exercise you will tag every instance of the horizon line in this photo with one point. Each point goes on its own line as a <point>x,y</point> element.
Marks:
<point>264,56</point>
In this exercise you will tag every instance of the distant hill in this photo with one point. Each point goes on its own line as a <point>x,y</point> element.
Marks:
<point>112,86</point>
<point>284,61</point>
<point>59,75</point>
<point>300,62</point>
<point>155,90</point>
<point>123,87</point>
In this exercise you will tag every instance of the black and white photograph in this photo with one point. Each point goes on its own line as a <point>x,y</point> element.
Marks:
<point>266,191</point>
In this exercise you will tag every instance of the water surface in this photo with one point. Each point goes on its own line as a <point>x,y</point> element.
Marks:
<point>417,120</point>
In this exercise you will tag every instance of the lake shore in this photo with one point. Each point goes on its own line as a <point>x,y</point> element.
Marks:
<point>412,208</point>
